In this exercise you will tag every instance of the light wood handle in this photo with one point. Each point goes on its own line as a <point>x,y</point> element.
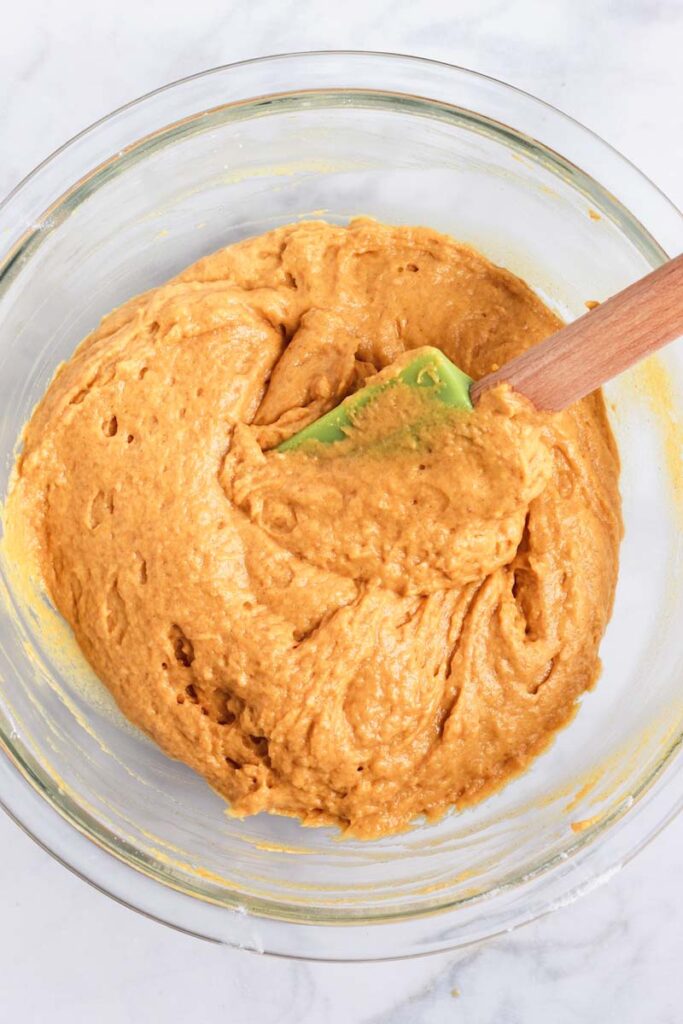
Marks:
<point>598,346</point>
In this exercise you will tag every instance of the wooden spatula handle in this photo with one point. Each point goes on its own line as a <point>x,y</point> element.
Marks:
<point>599,345</point>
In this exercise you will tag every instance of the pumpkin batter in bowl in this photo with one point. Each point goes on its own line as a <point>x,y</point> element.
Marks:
<point>353,635</point>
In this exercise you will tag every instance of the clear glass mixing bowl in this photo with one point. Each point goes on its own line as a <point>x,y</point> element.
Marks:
<point>230,153</point>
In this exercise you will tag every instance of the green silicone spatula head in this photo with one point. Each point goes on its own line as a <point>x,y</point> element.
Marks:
<point>430,371</point>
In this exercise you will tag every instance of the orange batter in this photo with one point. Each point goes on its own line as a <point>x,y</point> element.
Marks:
<point>354,635</point>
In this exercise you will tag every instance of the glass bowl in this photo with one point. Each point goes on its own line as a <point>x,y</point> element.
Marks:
<point>231,153</point>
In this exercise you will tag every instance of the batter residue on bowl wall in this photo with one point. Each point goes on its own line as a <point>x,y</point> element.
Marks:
<point>353,636</point>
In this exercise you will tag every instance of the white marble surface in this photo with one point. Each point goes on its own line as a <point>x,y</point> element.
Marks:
<point>67,954</point>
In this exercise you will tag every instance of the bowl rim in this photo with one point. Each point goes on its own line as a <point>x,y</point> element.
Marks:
<point>297,54</point>
<point>148,905</point>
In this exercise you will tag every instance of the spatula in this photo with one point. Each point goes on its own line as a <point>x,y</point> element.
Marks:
<point>553,374</point>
